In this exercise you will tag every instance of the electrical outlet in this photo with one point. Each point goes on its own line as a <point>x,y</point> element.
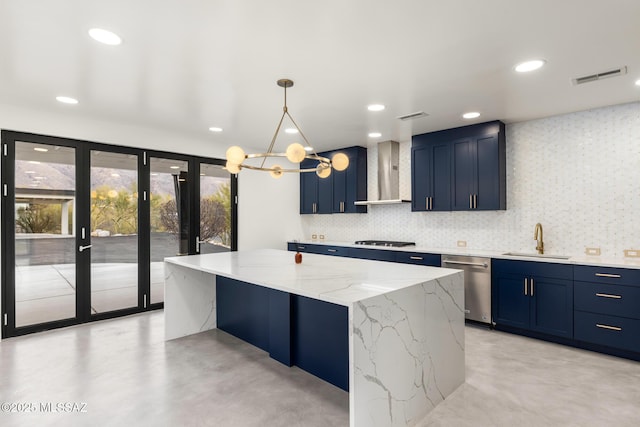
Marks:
<point>631,253</point>
<point>592,251</point>
<point>322,237</point>
<point>314,237</point>
<point>462,243</point>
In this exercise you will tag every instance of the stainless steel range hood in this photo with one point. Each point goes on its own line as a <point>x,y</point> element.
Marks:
<point>388,175</point>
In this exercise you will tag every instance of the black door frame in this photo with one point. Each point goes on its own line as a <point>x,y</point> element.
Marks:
<point>83,150</point>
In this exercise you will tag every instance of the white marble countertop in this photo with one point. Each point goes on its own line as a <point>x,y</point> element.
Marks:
<point>577,260</point>
<point>342,281</point>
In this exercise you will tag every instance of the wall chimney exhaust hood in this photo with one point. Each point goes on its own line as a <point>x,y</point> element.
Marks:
<point>388,175</point>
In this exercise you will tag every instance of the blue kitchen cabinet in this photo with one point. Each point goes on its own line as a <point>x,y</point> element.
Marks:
<point>319,249</point>
<point>607,307</point>
<point>316,194</point>
<point>350,185</point>
<point>373,254</point>
<point>460,169</point>
<point>533,296</point>
<point>419,258</point>
<point>430,175</point>
<point>339,191</point>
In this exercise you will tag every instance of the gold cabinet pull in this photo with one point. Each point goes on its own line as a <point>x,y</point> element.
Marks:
<point>611,328</point>
<point>526,285</point>
<point>613,276</point>
<point>532,286</point>
<point>609,296</point>
<point>430,203</point>
<point>417,258</point>
<point>470,201</point>
<point>426,203</point>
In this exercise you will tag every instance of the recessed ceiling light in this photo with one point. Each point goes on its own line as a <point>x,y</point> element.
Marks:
<point>66,100</point>
<point>174,167</point>
<point>105,37</point>
<point>215,129</point>
<point>40,149</point>
<point>525,67</point>
<point>375,107</point>
<point>291,130</point>
<point>375,134</point>
<point>638,82</point>
<point>471,115</point>
<point>308,148</point>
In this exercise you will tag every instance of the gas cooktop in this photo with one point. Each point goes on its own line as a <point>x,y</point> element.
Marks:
<point>384,243</point>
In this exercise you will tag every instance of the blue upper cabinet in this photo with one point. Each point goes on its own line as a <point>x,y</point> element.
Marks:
<point>430,175</point>
<point>338,192</point>
<point>460,169</point>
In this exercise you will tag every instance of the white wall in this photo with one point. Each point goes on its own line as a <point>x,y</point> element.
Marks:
<point>577,174</point>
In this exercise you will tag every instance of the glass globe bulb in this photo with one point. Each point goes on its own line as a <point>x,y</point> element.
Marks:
<point>232,167</point>
<point>235,155</point>
<point>276,172</point>
<point>340,161</point>
<point>323,170</point>
<point>295,153</point>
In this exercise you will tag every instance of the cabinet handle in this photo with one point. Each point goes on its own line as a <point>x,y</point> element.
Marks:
<point>342,206</point>
<point>475,201</point>
<point>532,284</point>
<point>526,285</point>
<point>430,203</point>
<point>470,201</point>
<point>417,258</point>
<point>613,276</point>
<point>332,250</point>
<point>609,296</point>
<point>302,247</point>
<point>611,328</point>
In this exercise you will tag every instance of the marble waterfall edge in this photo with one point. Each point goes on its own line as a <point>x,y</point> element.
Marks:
<point>190,295</point>
<point>408,352</point>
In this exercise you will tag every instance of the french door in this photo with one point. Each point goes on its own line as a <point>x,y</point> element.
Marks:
<point>86,226</point>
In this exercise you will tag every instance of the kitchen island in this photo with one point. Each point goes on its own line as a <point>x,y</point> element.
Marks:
<point>402,325</point>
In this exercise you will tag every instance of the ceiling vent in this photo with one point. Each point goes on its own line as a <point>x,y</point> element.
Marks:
<point>412,116</point>
<point>599,76</point>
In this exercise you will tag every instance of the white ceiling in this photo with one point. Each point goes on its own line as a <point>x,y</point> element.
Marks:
<point>186,65</point>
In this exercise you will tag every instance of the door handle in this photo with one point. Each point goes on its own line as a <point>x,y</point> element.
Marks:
<point>82,248</point>
<point>198,242</point>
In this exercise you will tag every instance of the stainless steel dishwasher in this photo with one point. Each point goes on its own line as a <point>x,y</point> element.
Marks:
<point>477,285</point>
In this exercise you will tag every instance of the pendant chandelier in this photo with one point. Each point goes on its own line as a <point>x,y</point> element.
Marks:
<point>295,152</point>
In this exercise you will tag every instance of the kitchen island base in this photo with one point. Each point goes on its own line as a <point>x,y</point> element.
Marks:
<point>405,324</point>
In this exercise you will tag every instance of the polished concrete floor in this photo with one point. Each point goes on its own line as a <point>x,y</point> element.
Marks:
<point>126,374</point>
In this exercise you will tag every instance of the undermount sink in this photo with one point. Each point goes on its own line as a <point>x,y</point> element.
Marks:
<point>534,255</point>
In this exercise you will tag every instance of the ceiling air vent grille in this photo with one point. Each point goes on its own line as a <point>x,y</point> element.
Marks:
<point>412,116</point>
<point>599,76</point>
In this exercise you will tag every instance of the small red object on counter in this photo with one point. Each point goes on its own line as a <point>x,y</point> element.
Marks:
<point>298,258</point>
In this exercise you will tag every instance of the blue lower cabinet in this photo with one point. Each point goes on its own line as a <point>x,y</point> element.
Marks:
<point>533,296</point>
<point>294,330</point>
<point>373,254</point>
<point>433,260</point>
<point>320,339</point>
<point>610,331</point>
<point>242,310</point>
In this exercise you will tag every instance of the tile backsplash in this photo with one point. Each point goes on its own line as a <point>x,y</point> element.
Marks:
<point>577,174</point>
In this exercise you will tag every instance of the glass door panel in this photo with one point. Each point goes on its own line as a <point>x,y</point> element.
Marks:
<point>45,256</point>
<point>215,209</point>
<point>169,214</point>
<point>114,231</point>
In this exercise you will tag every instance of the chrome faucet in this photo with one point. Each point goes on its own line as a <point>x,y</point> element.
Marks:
<point>540,245</point>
